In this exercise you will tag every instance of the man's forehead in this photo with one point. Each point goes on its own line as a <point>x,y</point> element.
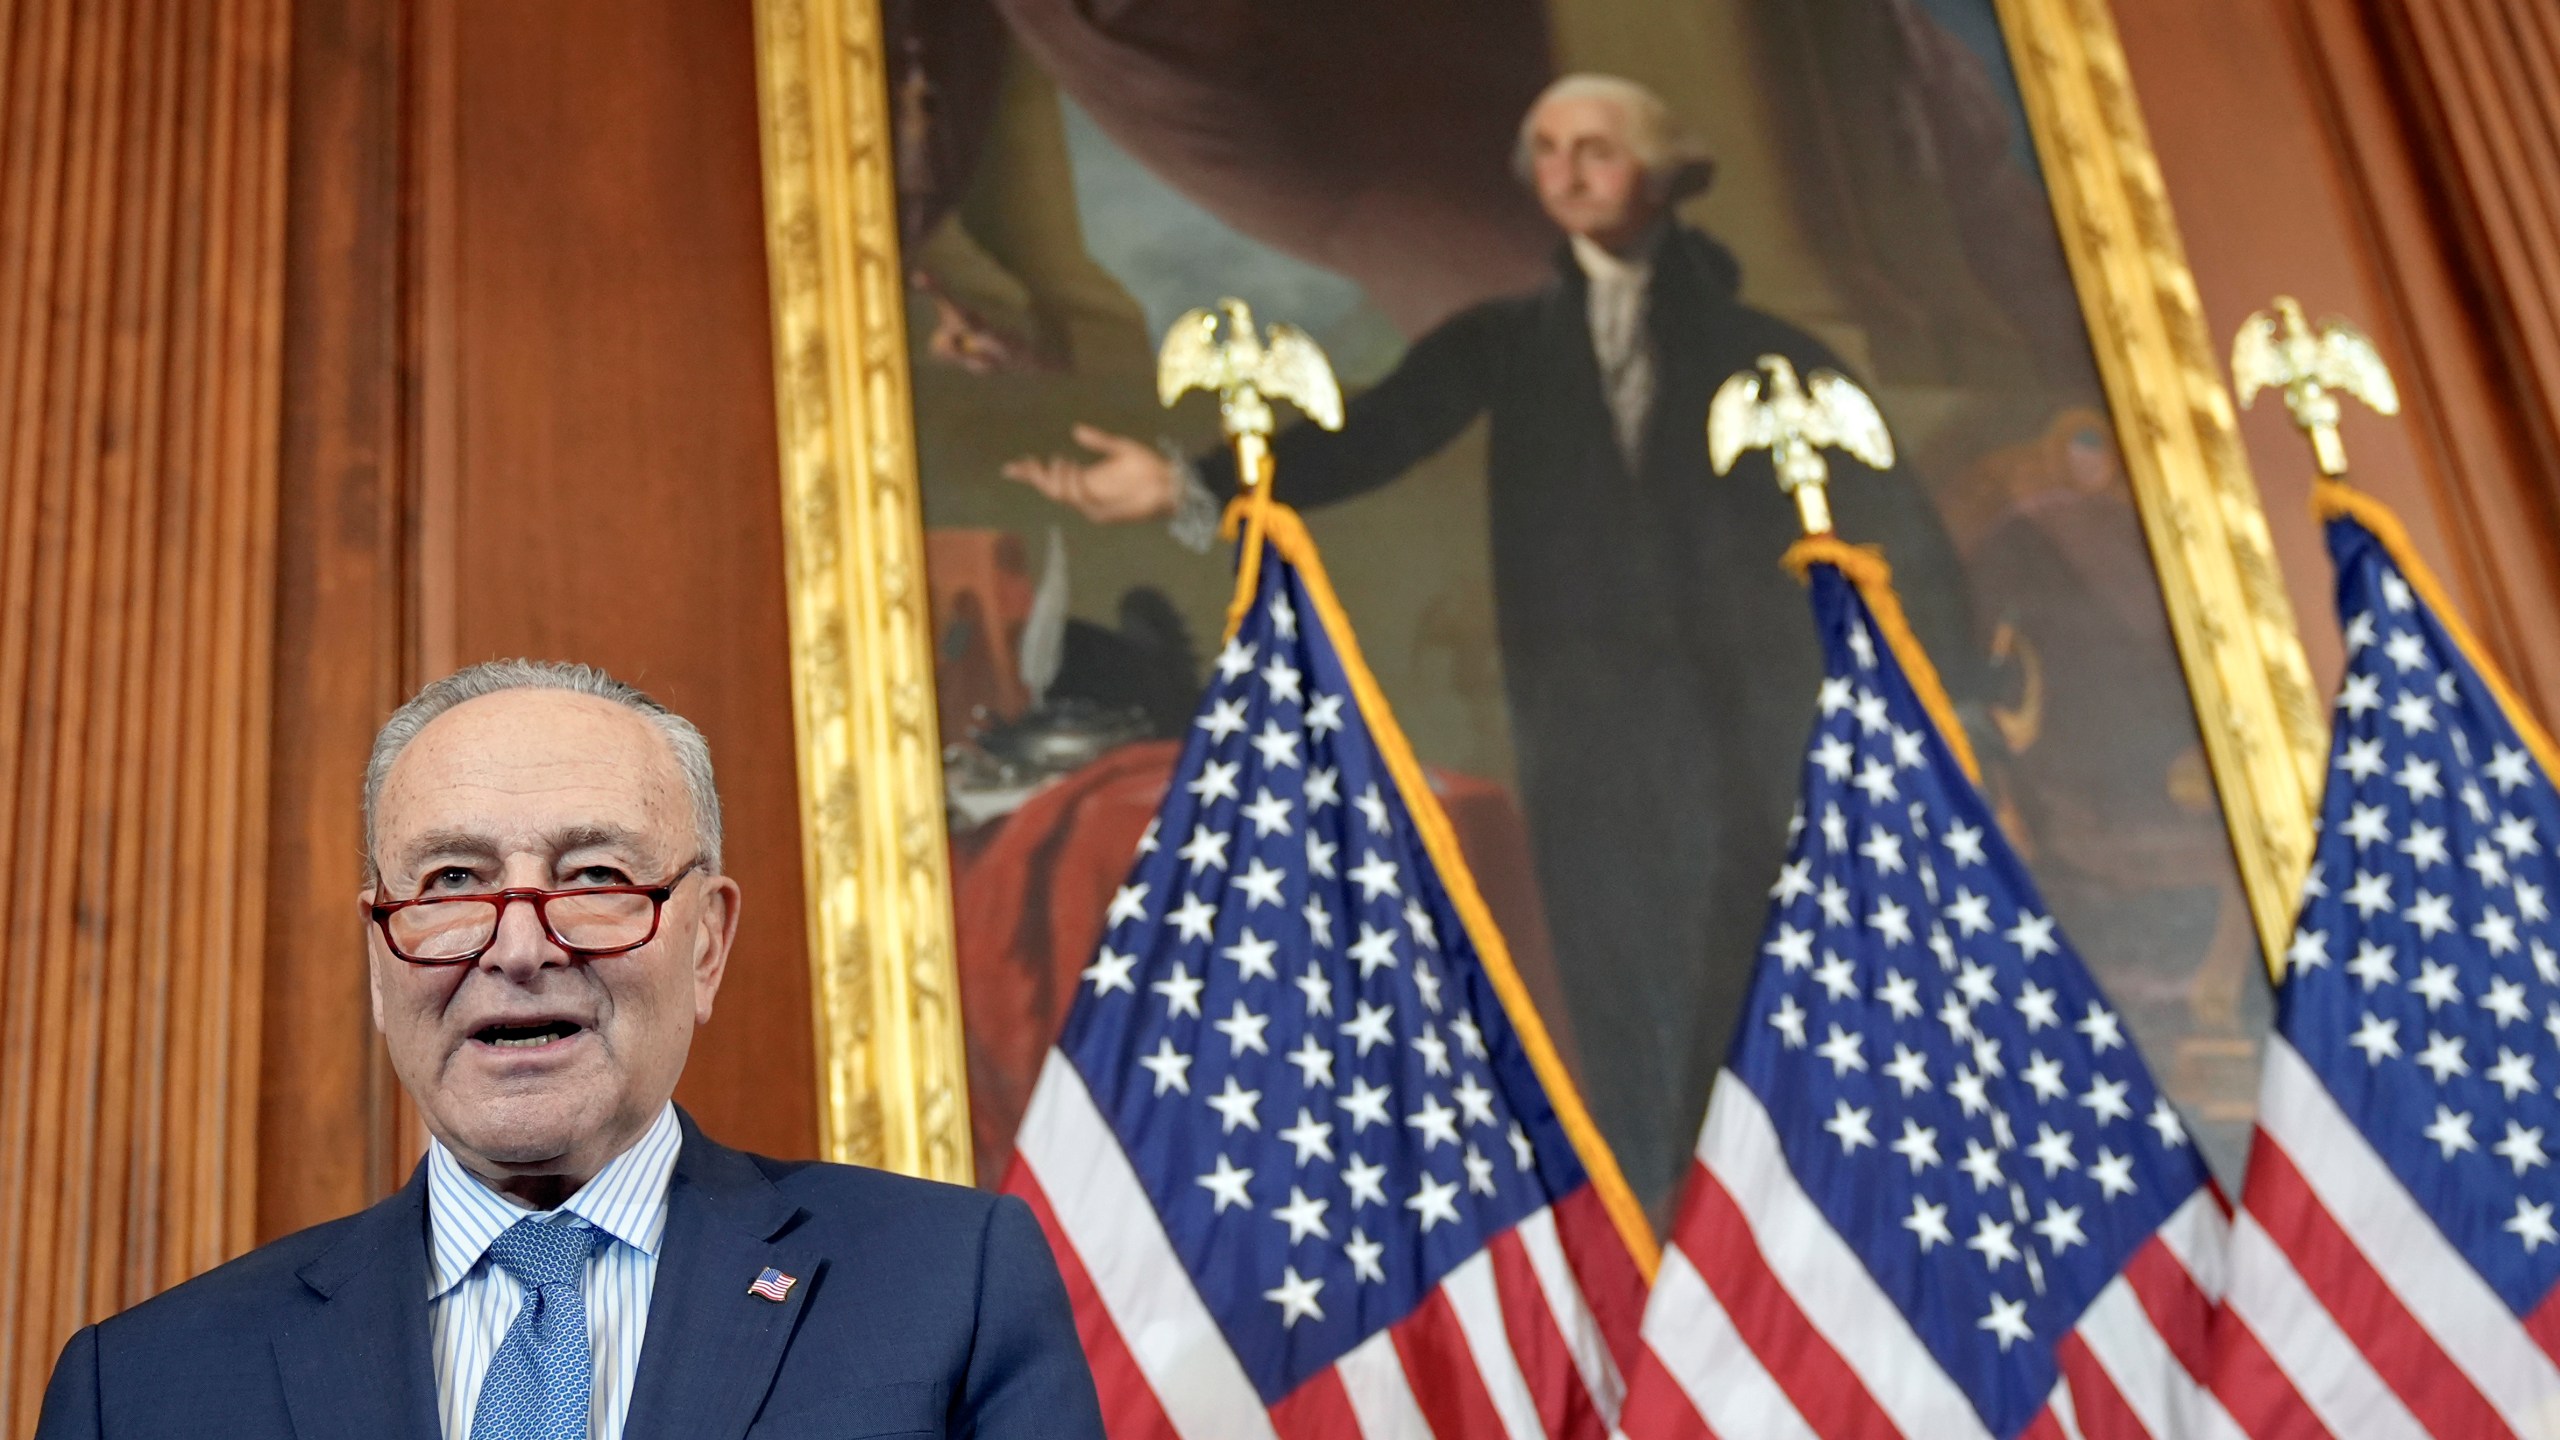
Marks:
<point>535,763</point>
<point>569,837</point>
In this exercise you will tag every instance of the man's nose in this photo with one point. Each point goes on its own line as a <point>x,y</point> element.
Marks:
<point>521,947</point>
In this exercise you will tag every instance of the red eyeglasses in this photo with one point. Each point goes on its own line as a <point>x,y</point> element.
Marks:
<point>590,922</point>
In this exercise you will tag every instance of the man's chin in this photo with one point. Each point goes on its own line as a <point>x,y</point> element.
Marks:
<point>526,1125</point>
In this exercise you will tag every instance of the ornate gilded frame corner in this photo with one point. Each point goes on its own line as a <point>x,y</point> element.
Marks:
<point>892,1080</point>
<point>2264,729</point>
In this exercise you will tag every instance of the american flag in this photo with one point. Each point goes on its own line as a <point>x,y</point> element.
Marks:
<point>2393,1261</point>
<point>1306,1168</point>
<point>773,1285</point>
<point>1937,1193</point>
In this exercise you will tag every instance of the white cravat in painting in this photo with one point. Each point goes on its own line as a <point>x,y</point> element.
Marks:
<point>1620,340</point>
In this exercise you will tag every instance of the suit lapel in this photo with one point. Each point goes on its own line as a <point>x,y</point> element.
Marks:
<point>712,1347</point>
<point>357,1364</point>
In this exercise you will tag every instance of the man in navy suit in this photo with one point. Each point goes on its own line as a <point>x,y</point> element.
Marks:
<point>548,924</point>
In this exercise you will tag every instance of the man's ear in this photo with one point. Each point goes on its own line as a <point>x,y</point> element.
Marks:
<point>715,929</point>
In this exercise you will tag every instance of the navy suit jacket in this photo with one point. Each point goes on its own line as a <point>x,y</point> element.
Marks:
<point>922,1309</point>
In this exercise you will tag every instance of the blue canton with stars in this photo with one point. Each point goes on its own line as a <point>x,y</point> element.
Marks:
<point>1947,1081</point>
<point>1289,1029</point>
<point>2423,982</point>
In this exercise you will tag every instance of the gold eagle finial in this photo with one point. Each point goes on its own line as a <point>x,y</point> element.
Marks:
<point>2279,350</point>
<point>1247,371</point>
<point>1793,422</point>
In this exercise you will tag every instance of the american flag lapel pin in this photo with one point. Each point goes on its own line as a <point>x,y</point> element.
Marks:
<point>773,1285</point>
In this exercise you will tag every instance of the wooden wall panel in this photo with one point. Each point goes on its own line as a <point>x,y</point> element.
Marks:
<point>528,411</point>
<point>329,1138</point>
<point>597,434</point>
<point>2475,87</point>
<point>141,188</point>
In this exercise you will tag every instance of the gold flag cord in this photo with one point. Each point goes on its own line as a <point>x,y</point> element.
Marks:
<point>2333,499</point>
<point>1865,567</point>
<point>1256,504</point>
<point>1281,525</point>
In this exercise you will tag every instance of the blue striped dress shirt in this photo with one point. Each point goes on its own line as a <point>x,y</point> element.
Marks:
<point>471,1302</point>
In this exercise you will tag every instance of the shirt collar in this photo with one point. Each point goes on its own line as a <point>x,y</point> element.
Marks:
<point>627,1200</point>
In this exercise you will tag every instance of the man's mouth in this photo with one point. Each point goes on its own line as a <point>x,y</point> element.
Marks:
<point>526,1036</point>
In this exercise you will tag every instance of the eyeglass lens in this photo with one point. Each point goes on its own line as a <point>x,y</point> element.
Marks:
<point>454,929</point>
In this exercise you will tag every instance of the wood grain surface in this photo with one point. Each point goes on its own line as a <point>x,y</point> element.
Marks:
<point>142,147</point>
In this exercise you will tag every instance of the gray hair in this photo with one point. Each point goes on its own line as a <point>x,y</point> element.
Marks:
<point>1675,162</point>
<point>494,677</point>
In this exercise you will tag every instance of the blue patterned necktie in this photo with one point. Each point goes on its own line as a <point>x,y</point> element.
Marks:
<point>538,1381</point>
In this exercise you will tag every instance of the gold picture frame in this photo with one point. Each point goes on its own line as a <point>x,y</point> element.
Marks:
<point>892,1077</point>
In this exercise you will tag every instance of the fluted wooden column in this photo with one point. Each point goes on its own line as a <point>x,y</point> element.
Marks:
<point>141,200</point>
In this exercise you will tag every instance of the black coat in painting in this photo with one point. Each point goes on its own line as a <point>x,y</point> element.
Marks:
<point>1659,664</point>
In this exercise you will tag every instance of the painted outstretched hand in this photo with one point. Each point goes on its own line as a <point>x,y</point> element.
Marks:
<point>1129,480</point>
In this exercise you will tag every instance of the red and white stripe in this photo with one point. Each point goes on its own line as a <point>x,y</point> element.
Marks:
<point>1764,1322</point>
<point>1515,1343</point>
<point>2349,1312</point>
